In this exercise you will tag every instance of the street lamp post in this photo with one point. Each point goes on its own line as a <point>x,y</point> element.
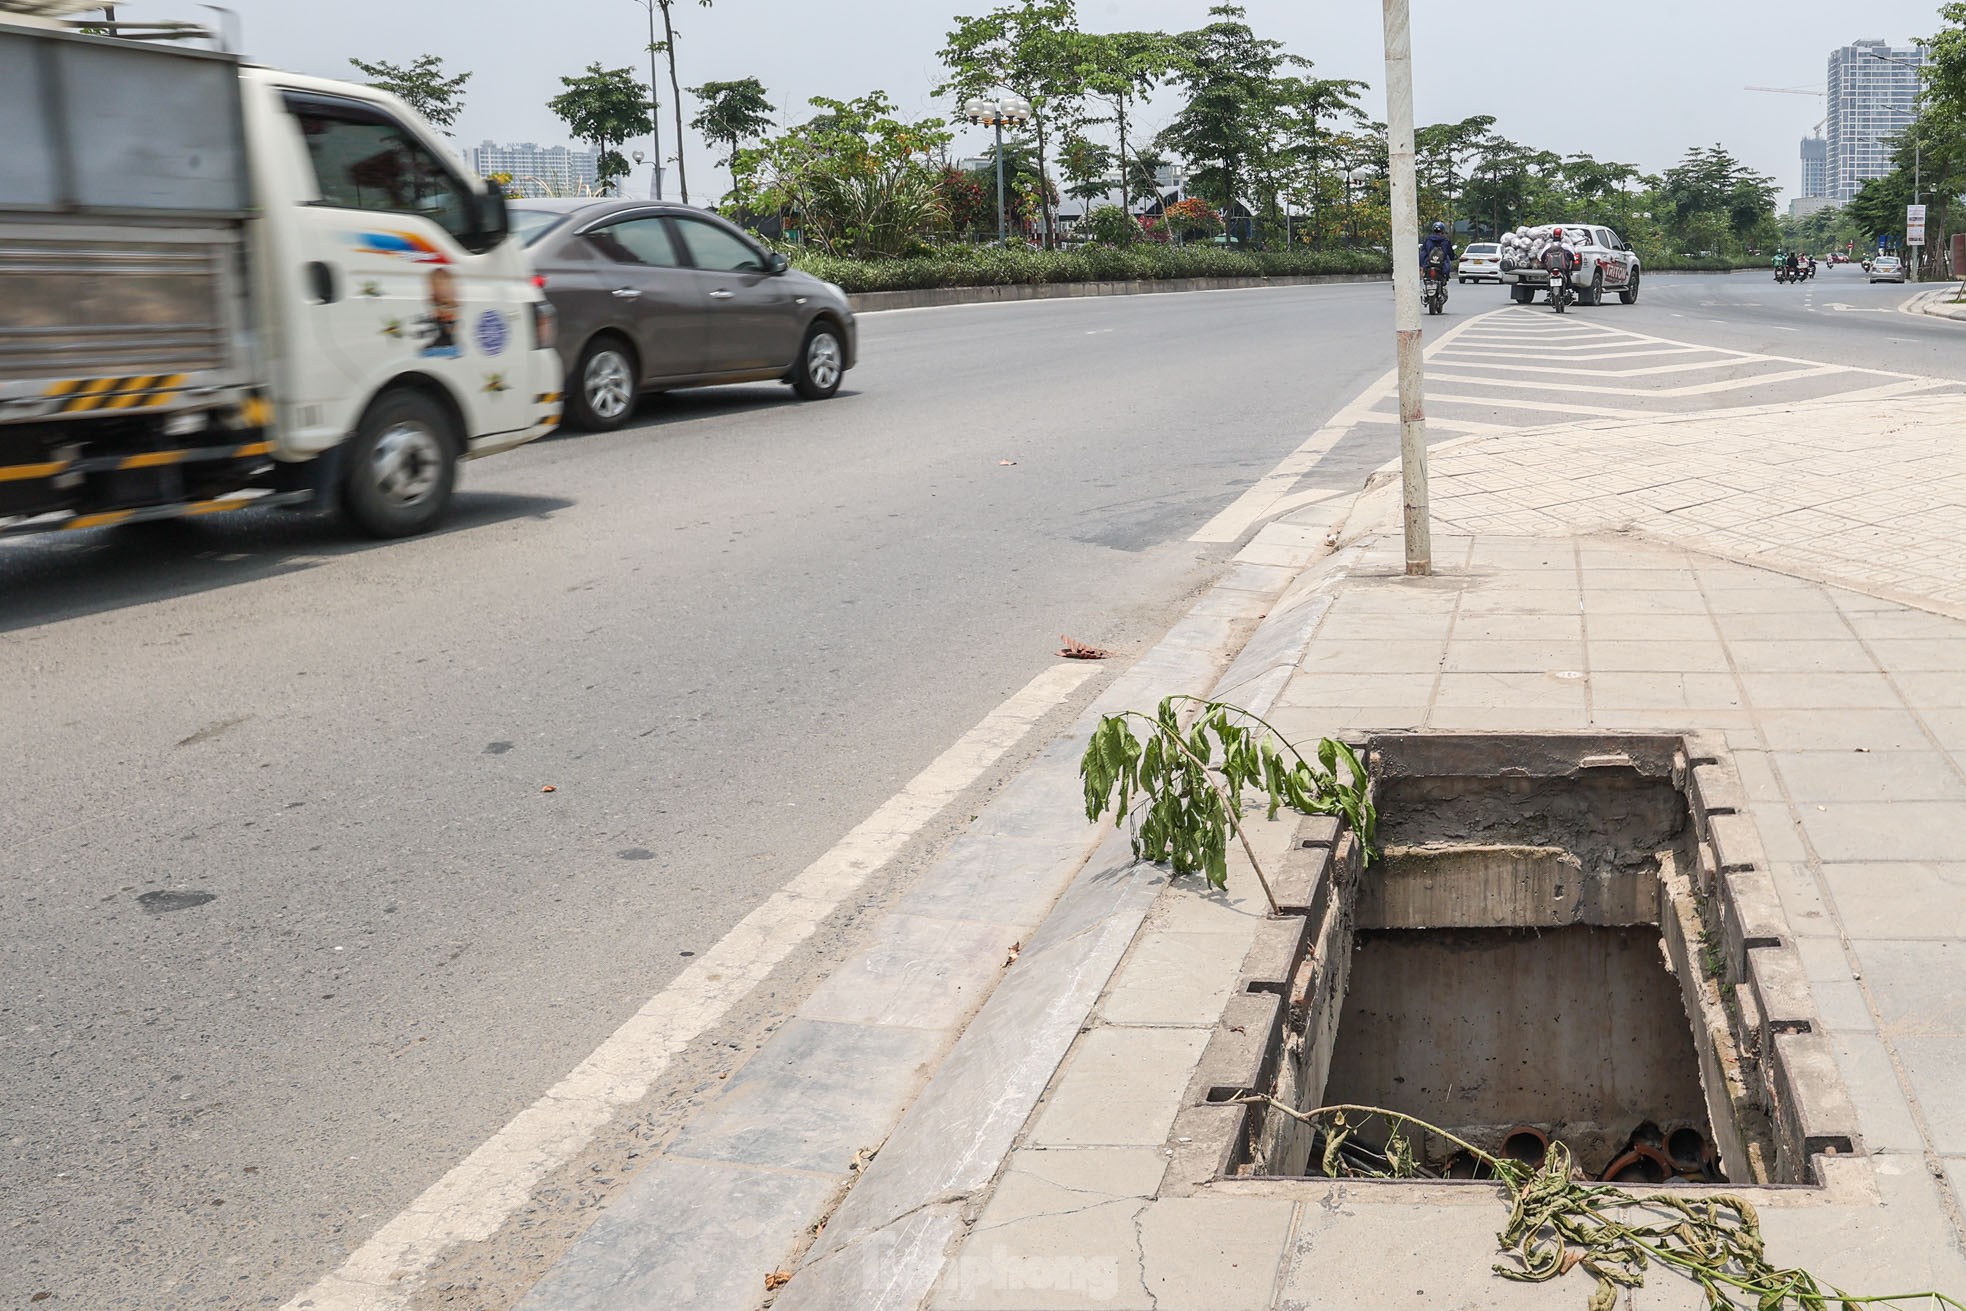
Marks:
<point>1014,110</point>
<point>1917,150</point>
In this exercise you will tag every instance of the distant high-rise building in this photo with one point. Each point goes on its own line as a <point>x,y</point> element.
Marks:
<point>1872,88</point>
<point>1815,168</point>
<point>539,170</point>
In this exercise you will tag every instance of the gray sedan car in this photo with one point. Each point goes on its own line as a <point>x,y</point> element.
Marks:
<point>653,296</point>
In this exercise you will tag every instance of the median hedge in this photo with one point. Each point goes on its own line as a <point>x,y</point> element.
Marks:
<point>990,266</point>
<point>1702,263</point>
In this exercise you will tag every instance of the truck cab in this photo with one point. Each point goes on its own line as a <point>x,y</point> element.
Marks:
<point>223,285</point>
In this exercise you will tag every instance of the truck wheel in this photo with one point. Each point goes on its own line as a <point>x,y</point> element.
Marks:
<point>602,388</point>
<point>1522,294</point>
<point>822,363</point>
<point>402,465</point>
<point>1593,294</point>
<point>1629,292</point>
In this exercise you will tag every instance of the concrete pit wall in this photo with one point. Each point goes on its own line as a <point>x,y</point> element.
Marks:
<point>1657,946</point>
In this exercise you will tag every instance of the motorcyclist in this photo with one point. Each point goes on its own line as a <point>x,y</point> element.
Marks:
<point>1436,245</point>
<point>1558,259</point>
<point>1789,265</point>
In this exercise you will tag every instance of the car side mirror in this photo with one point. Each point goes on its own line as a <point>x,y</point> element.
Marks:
<point>494,218</point>
<point>775,263</point>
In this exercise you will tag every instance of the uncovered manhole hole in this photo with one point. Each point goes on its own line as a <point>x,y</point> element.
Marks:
<point>1571,938</point>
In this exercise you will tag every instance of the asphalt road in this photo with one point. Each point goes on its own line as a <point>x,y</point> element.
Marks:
<point>293,925</point>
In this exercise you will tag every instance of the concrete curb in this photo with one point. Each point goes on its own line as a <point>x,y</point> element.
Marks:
<point>872,302</point>
<point>868,302</point>
<point>740,1190</point>
<point>887,1245</point>
<point>1934,303</point>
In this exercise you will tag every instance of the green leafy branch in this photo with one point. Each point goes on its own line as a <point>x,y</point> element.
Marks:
<point>1558,1223</point>
<point>1190,782</point>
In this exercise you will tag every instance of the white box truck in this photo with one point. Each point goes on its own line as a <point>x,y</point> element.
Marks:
<point>224,286</point>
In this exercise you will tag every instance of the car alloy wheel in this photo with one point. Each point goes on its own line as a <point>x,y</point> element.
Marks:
<point>823,361</point>
<point>608,384</point>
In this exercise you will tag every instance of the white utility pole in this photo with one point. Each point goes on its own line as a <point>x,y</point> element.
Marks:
<point>1406,289</point>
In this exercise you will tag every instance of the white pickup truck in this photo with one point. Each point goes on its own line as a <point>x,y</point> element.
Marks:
<point>1604,264</point>
<point>224,286</point>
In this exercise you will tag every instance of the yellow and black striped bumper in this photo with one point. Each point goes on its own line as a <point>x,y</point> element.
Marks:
<point>151,513</point>
<point>138,392</point>
<point>549,401</point>
<point>139,460</point>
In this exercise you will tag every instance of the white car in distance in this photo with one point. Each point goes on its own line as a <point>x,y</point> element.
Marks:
<point>1480,262</point>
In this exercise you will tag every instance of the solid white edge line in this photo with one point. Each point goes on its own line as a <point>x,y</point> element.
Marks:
<point>470,1202</point>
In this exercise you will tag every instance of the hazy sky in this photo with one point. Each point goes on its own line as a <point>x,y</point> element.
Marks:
<point>1670,73</point>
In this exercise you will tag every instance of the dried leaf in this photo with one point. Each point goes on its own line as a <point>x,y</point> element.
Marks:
<point>776,1280</point>
<point>1077,650</point>
<point>549,788</point>
<point>1015,949</point>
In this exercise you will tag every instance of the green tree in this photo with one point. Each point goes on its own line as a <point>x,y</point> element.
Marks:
<point>1442,153</point>
<point>1715,197</point>
<point>666,47</point>
<point>1229,74</point>
<point>1299,158</point>
<point>422,86</point>
<point>733,113</point>
<point>854,179</point>
<point>604,107</point>
<point>1088,169</point>
<point>1032,49</point>
<point>1119,69</point>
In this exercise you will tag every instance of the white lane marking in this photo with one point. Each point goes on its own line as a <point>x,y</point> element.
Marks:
<point>1642,371</point>
<point>475,1198</point>
<point>1691,389</point>
<point>1256,504</point>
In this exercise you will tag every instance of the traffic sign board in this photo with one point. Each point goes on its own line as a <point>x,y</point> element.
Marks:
<point>1915,225</point>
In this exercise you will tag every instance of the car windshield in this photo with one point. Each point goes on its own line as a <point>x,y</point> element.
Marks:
<point>532,224</point>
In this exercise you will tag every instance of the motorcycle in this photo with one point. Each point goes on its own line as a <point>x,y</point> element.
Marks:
<point>1561,292</point>
<point>1785,274</point>
<point>1433,287</point>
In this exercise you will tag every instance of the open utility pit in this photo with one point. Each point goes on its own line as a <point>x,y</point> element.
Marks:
<point>1562,942</point>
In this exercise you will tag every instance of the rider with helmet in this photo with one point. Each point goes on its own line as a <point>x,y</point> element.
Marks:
<point>1559,259</point>
<point>1437,246</point>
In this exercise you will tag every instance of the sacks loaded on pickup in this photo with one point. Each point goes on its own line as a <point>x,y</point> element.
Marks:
<point>1524,247</point>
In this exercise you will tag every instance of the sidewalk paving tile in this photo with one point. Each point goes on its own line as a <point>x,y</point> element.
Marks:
<point>1910,899</point>
<point>1881,728</point>
<point>1214,1253</point>
<point>1465,656</point>
<point>1799,655</point>
<point>1896,830</point>
<point>1883,1114</point>
<point>1851,691</point>
<point>1685,658</point>
<point>1622,689</point>
<point>1936,1066</point>
<point>1510,691</point>
<point>1175,978</point>
<point>1358,689</point>
<point>1120,1087</point>
<point>1059,1233</point>
<point>1876,776</point>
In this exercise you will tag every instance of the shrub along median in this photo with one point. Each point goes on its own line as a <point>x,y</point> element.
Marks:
<point>989,266</point>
